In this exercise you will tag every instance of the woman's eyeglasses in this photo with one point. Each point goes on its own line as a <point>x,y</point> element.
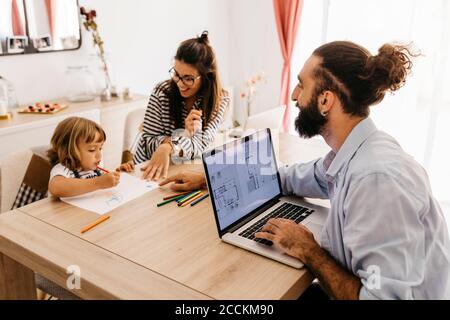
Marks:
<point>187,80</point>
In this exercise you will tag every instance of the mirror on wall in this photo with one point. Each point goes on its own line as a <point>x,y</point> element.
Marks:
<point>33,26</point>
<point>13,36</point>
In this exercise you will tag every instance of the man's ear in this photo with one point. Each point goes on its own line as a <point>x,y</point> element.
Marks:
<point>326,100</point>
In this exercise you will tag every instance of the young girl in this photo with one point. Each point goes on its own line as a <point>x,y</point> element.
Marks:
<point>75,154</point>
<point>184,112</point>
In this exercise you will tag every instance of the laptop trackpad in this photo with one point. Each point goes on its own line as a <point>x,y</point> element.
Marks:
<point>316,229</point>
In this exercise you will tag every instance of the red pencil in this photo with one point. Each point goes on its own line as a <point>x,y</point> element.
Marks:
<point>104,170</point>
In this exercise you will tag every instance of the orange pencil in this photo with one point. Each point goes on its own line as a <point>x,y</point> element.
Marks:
<point>104,170</point>
<point>96,222</point>
<point>186,198</point>
<point>192,199</point>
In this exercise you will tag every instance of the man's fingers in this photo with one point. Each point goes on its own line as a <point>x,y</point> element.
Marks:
<point>170,179</point>
<point>265,235</point>
<point>268,227</point>
<point>180,187</point>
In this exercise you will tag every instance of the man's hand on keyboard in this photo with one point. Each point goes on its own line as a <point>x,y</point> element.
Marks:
<point>292,238</point>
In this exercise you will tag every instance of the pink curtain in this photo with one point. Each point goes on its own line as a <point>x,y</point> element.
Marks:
<point>50,4</point>
<point>16,20</point>
<point>287,16</point>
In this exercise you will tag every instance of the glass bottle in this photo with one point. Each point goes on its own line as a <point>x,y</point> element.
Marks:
<point>3,97</point>
<point>80,84</point>
<point>11,94</point>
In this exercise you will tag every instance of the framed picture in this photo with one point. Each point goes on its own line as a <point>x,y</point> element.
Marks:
<point>70,42</point>
<point>43,43</point>
<point>16,44</point>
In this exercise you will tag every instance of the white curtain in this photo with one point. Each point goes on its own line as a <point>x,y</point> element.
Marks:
<point>418,115</point>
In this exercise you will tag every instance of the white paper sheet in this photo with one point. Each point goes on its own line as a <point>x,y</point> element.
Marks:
<point>103,201</point>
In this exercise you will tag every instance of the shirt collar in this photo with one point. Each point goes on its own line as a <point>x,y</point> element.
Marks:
<point>355,139</point>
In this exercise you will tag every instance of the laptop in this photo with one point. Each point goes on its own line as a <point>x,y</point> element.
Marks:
<point>272,118</point>
<point>245,190</point>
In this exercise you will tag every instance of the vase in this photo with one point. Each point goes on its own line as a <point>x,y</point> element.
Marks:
<point>80,84</point>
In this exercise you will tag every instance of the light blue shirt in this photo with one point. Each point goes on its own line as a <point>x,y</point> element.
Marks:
<point>384,224</point>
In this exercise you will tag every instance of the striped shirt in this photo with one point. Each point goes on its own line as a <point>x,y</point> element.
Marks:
<point>158,126</point>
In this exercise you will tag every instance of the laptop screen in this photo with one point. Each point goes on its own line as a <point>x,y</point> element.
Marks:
<point>242,177</point>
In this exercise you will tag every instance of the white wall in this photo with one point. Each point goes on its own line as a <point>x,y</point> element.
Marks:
<point>141,37</point>
<point>255,48</point>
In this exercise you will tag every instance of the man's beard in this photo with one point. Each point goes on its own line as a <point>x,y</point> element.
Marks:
<point>309,121</point>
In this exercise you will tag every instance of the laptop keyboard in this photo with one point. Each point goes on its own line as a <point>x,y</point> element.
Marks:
<point>286,211</point>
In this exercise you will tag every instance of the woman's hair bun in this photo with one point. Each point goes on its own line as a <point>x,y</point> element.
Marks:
<point>203,38</point>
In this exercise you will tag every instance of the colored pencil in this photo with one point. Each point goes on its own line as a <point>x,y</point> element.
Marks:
<point>176,195</point>
<point>168,201</point>
<point>96,222</point>
<point>188,196</point>
<point>193,203</point>
<point>185,203</point>
<point>104,170</point>
<point>180,202</point>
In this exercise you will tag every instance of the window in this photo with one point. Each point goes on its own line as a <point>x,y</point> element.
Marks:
<point>418,115</point>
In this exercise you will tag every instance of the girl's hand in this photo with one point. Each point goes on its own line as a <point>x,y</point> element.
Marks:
<point>193,122</point>
<point>159,163</point>
<point>109,180</point>
<point>127,166</point>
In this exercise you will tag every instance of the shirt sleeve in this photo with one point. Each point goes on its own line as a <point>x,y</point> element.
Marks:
<point>153,130</point>
<point>304,180</point>
<point>385,235</point>
<point>194,146</point>
<point>60,170</point>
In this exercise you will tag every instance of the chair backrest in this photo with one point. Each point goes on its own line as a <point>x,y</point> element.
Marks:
<point>271,118</point>
<point>132,133</point>
<point>227,122</point>
<point>12,173</point>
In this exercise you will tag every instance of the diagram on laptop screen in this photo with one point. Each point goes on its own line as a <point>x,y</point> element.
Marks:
<point>256,179</point>
<point>238,189</point>
<point>244,184</point>
<point>226,194</point>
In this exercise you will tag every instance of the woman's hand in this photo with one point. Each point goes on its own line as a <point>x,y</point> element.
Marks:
<point>193,122</point>
<point>109,180</point>
<point>186,181</point>
<point>159,163</point>
<point>127,166</point>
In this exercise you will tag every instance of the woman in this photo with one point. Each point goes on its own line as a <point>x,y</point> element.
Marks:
<point>183,113</point>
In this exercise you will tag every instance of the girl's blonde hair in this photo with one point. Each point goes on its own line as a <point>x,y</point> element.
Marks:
<point>68,134</point>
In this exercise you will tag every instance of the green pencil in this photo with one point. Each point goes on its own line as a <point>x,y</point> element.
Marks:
<point>170,200</point>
